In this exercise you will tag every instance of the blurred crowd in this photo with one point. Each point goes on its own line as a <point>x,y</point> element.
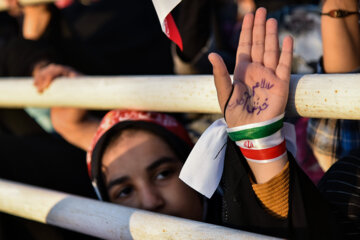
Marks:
<point>134,158</point>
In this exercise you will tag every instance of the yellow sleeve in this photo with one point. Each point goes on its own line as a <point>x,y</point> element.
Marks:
<point>274,194</point>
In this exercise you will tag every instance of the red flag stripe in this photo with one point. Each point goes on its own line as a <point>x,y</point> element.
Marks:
<point>172,31</point>
<point>265,154</point>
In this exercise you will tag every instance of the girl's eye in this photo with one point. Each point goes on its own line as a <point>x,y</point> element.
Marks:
<point>164,174</point>
<point>125,192</point>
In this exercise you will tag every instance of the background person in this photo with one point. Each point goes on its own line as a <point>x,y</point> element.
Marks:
<point>331,139</point>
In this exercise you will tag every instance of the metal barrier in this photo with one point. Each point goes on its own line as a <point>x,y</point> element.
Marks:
<point>4,5</point>
<point>105,220</point>
<point>314,95</point>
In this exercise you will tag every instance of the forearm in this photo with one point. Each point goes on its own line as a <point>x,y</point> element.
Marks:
<point>263,172</point>
<point>75,125</point>
<point>36,19</point>
<point>341,37</point>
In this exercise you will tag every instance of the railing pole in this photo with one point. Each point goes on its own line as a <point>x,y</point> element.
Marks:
<point>315,95</point>
<point>4,5</point>
<point>105,220</point>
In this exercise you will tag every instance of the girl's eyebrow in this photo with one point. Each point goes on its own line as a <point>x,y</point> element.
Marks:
<point>159,162</point>
<point>117,181</point>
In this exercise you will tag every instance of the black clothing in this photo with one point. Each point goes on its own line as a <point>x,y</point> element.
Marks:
<point>206,26</point>
<point>9,28</point>
<point>341,187</point>
<point>108,37</point>
<point>115,37</point>
<point>44,161</point>
<point>19,56</point>
<point>309,215</point>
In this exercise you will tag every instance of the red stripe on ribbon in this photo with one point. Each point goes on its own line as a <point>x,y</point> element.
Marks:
<point>265,154</point>
<point>172,31</point>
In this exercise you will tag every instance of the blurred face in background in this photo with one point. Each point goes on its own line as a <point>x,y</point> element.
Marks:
<point>141,171</point>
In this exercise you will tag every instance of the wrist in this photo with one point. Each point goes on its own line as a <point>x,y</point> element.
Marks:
<point>262,142</point>
<point>38,66</point>
<point>263,173</point>
<point>348,5</point>
<point>339,13</point>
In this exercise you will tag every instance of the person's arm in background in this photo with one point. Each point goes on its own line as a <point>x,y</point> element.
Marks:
<point>36,18</point>
<point>75,125</point>
<point>341,37</point>
<point>331,139</point>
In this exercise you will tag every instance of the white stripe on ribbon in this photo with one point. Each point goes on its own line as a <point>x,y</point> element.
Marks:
<point>262,143</point>
<point>255,125</point>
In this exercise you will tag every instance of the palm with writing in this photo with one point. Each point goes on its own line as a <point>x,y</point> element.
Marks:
<point>262,74</point>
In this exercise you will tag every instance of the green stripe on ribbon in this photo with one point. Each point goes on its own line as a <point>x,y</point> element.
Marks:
<point>257,132</point>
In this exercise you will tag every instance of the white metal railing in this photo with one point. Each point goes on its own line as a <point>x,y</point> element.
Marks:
<point>4,5</point>
<point>314,95</point>
<point>105,220</point>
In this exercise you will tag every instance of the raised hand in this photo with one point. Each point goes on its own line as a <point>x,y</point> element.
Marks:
<point>261,77</point>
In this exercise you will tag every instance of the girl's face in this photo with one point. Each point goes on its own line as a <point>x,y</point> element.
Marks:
<point>141,171</point>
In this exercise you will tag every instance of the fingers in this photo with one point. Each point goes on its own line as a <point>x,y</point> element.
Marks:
<point>72,73</point>
<point>258,37</point>
<point>42,80</point>
<point>245,41</point>
<point>283,69</point>
<point>44,77</point>
<point>222,79</point>
<point>271,54</point>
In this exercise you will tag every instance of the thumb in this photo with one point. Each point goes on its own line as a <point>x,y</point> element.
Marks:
<point>222,79</point>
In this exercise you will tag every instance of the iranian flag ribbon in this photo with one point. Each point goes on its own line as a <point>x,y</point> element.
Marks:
<point>163,9</point>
